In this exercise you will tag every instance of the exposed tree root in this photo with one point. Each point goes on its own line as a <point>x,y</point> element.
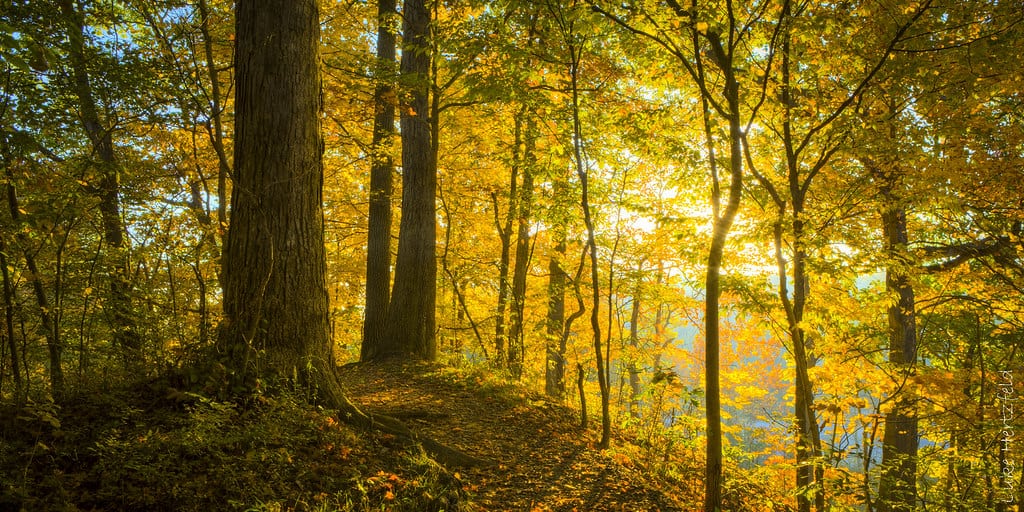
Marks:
<point>332,394</point>
<point>445,455</point>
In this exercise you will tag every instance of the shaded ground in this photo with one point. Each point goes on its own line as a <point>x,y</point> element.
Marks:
<point>153,446</point>
<point>541,457</point>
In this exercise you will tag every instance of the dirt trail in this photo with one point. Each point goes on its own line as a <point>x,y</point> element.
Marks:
<point>542,460</point>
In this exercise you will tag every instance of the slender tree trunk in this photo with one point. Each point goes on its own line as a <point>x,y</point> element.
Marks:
<point>595,318</point>
<point>504,263</point>
<point>554,373</point>
<point>634,342</point>
<point>516,342</point>
<point>108,192</point>
<point>378,247</point>
<point>204,309</point>
<point>581,377</point>
<point>216,131</point>
<point>808,445</point>
<point>275,299</point>
<point>505,235</point>
<point>19,386</point>
<point>662,320</point>
<point>411,320</point>
<point>46,312</point>
<point>808,442</point>
<point>722,224</point>
<point>460,298</point>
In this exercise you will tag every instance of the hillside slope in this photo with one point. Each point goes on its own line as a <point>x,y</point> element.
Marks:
<point>540,457</point>
<point>153,447</point>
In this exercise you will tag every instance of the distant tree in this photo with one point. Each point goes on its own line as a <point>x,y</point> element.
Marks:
<point>107,188</point>
<point>554,370</point>
<point>516,334</point>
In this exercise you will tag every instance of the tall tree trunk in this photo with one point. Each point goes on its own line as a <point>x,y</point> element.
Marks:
<point>108,192</point>
<point>722,224</point>
<point>504,263</point>
<point>378,246</point>
<point>411,320</point>
<point>897,486</point>
<point>516,342</point>
<point>459,298</point>
<point>576,53</point>
<point>276,302</point>
<point>505,235</point>
<point>275,298</point>
<point>808,442</point>
<point>554,372</point>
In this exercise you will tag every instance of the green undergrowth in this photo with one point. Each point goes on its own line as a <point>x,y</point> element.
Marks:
<point>146,450</point>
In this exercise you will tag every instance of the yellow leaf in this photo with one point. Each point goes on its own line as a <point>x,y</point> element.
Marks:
<point>702,27</point>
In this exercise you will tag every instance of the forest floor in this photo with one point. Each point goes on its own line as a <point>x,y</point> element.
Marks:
<point>539,457</point>
<point>152,446</point>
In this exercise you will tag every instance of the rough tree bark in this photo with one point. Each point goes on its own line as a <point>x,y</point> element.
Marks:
<point>378,246</point>
<point>276,301</point>
<point>411,322</point>
<point>275,294</point>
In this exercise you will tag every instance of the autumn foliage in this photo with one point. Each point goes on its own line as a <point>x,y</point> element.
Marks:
<point>850,174</point>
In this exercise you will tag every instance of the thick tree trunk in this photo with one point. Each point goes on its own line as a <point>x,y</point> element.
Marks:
<point>108,192</point>
<point>378,246</point>
<point>276,301</point>
<point>411,321</point>
<point>275,295</point>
